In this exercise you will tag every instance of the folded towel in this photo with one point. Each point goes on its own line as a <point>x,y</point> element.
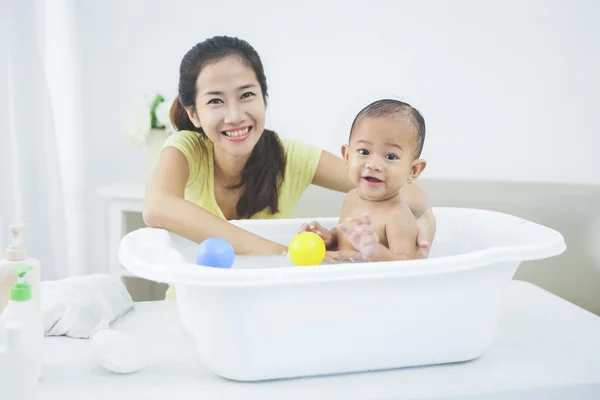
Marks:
<point>77,306</point>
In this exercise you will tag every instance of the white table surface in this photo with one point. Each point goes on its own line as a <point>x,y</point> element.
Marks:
<point>546,348</point>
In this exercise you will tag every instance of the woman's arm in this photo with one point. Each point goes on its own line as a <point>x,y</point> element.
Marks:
<point>331,174</point>
<point>165,207</point>
<point>419,205</point>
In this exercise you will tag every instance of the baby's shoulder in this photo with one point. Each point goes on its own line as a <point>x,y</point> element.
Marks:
<point>401,215</point>
<point>350,198</point>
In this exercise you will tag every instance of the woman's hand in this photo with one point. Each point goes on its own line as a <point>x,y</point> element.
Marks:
<point>427,228</point>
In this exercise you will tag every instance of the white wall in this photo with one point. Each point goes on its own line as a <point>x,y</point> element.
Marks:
<point>494,80</point>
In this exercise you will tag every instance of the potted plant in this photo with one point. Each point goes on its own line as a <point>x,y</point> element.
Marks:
<point>149,125</point>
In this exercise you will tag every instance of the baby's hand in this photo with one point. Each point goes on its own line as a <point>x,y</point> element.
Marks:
<point>360,233</point>
<point>325,234</point>
<point>336,256</point>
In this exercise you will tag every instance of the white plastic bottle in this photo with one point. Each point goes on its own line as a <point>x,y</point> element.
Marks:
<point>15,254</point>
<point>16,380</point>
<point>22,309</point>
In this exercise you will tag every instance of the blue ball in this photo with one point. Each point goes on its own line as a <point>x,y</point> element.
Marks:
<point>215,252</point>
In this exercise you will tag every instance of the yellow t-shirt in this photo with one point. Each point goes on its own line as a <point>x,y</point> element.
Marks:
<point>301,164</point>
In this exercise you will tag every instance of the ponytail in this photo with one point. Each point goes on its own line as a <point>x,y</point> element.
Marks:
<point>262,175</point>
<point>180,119</point>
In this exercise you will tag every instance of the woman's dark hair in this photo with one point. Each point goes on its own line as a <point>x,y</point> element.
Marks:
<point>263,173</point>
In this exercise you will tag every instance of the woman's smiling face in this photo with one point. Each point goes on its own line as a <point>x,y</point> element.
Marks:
<point>229,106</point>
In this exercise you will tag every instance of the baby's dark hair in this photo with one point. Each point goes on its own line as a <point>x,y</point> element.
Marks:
<point>389,108</point>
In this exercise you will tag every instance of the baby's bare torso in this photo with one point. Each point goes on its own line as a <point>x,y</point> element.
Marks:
<point>379,213</point>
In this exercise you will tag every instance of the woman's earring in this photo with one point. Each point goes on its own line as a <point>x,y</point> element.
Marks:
<point>409,181</point>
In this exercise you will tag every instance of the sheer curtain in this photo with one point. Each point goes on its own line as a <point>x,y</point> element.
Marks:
<point>40,168</point>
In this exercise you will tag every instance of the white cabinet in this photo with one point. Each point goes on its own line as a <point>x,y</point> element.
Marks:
<point>124,203</point>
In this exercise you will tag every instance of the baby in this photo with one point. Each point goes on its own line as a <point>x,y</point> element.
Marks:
<point>385,144</point>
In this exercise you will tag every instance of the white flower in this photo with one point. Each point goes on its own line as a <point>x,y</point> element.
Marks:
<point>162,116</point>
<point>162,113</point>
<point>139,124</point>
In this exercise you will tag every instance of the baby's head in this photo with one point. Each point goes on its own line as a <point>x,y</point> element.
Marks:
<point>385,145</point>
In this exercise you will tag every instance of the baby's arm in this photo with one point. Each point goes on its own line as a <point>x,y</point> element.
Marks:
<point>328,236</point>
<point>401,233</point>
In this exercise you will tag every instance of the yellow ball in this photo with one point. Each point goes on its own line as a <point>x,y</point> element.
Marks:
<point>307,248</point>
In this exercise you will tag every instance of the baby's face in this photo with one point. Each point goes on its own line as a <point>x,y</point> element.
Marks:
<point>380,157</point>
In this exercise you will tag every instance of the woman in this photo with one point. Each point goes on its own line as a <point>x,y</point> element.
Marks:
<point>223,164</point>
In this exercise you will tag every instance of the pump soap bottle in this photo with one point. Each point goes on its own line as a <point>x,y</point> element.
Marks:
<point>15,254</point>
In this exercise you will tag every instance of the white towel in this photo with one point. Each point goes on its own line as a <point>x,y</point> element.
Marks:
<point>76,306</point>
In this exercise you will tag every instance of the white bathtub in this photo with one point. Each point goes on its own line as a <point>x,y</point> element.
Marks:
<point>265,318</point>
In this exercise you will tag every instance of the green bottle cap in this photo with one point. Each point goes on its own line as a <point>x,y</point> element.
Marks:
<point>21,291</point>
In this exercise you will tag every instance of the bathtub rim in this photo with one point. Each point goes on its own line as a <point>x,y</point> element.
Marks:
<point>548,243</point>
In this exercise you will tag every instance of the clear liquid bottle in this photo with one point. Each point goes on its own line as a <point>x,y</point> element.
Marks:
<point>22,309</point>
